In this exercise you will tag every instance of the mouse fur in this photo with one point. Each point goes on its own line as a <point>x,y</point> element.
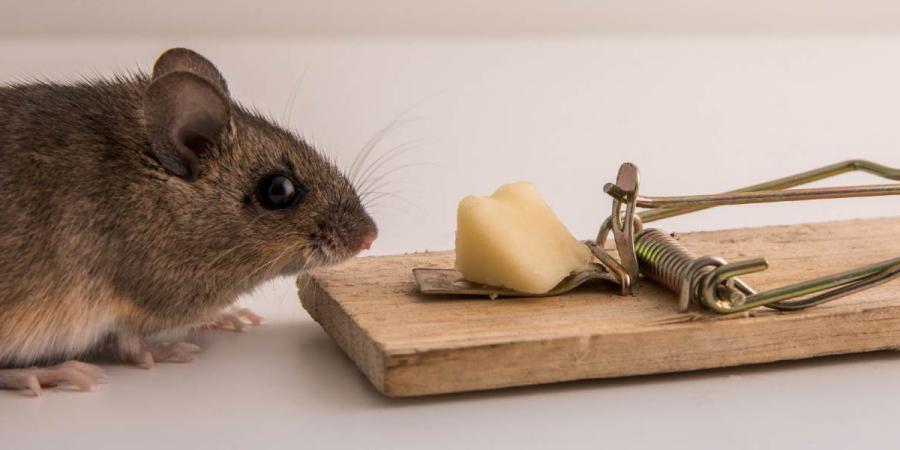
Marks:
<point>130,207</point>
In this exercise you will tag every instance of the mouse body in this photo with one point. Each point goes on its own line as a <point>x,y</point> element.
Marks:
<point>147,203</point>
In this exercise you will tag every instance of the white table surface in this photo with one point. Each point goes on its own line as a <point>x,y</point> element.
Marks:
<point>696,114</point>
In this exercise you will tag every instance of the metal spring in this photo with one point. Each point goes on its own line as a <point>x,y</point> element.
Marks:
<point>662,258</point>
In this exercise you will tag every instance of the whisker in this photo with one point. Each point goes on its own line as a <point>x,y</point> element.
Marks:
<point>378,207</point>
<point>266,266</point>
<point>396,169</point>
<point>289,105</point>
<point>388,156</point>
<point>377,187</point>
<point>367,199</point>
<point>391,195</point>
<point>371,143</point>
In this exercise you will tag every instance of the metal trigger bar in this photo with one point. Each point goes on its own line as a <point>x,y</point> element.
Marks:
<point>712,281</point>
<point>774,191</point>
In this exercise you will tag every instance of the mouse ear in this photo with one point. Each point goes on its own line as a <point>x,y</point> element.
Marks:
<point>186,60</point>
<point>185,115</point>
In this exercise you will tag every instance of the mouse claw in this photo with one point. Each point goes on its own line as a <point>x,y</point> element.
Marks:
<point>34,386</point>
<point>235,320</point>
<point>33,380</point>
<point>144,360</point>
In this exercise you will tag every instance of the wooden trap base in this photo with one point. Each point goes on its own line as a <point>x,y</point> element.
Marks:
<point>408,344</point>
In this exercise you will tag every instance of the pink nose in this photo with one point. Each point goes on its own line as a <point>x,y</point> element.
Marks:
<point>367,240</point>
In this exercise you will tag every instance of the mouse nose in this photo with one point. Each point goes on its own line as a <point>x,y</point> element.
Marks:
<point>367,239</point>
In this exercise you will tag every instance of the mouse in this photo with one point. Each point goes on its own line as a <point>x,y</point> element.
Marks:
<point>143,205</point>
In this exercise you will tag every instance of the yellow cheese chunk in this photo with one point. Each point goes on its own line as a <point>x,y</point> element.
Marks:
<point>513,239</point>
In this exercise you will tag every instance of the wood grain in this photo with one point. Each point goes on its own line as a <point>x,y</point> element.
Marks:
<point>408,344</point>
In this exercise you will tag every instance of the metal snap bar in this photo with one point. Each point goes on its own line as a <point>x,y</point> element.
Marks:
<point>711,281</point>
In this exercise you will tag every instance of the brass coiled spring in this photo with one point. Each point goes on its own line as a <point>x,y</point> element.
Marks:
<point>663,259</point>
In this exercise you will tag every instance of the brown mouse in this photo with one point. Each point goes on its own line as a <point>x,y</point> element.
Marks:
<point>146,204</point>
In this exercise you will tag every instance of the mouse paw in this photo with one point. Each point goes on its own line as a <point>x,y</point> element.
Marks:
<point>236,319</point>
<point>146,354</point>
<point>178,352</point>
<point>70,373</point>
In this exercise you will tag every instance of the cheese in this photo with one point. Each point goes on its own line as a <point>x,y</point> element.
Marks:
<point>514,240</point>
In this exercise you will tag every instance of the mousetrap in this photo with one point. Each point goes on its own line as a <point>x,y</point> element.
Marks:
<point>648,304</point>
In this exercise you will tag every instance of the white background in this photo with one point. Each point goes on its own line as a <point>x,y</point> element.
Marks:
<point>703,97</point>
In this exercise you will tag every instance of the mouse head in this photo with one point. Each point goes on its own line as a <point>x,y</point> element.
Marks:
<point>238,183</point>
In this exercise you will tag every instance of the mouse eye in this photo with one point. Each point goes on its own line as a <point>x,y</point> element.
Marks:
<point>278,191</point>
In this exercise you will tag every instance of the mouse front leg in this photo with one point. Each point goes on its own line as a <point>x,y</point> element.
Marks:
<point>136,350</point>
<point>70,373</point>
